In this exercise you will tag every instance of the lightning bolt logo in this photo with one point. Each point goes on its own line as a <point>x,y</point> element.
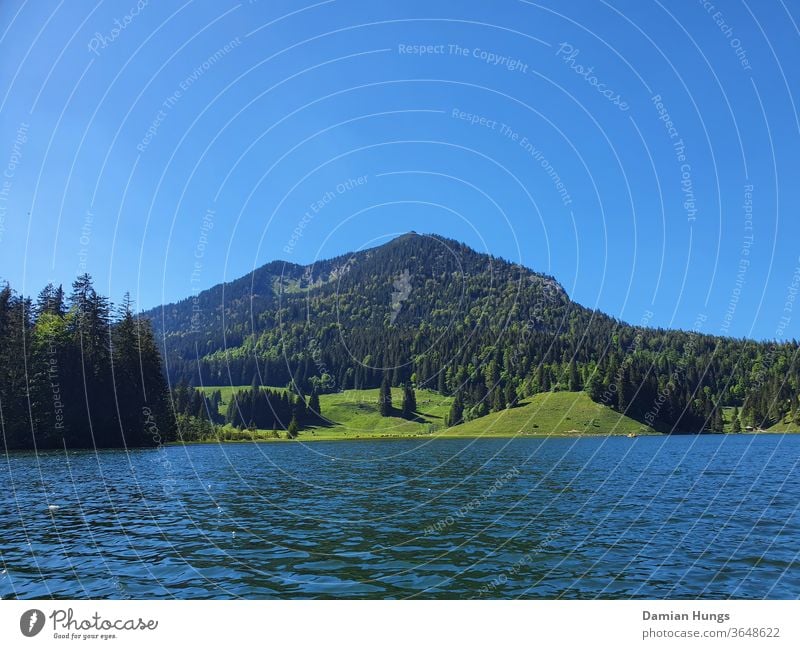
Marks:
<point>31,622</point>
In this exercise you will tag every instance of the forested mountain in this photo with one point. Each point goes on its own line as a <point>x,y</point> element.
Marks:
<point>434,313</point>
<point>76,373</point>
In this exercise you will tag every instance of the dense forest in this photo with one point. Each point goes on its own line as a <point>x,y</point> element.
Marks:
<point>251,408</point>
<point>431,312</point>
<point>418,312</point>
<point>77,373</point>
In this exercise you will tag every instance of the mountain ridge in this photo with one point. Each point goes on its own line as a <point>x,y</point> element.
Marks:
<point>432,311</point>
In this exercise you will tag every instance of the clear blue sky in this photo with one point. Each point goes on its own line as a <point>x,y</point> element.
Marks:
<point>123,125</point>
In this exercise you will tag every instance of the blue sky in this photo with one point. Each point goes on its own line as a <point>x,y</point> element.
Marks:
<point>644,153</point>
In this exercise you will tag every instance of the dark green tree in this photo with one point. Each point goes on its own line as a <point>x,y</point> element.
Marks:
<point>79,374</point>
<point>314,408</point>
<point>595,387</point>
<point>736,425</point>
<point>574,377</point>
<point>456,414</point>
<point>385,397</point>
<point>294,429</point>
<point>409,401</point>
<point>511,394</point>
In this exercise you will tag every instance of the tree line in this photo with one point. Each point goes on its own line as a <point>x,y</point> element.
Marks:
<point>199,414</point>
<point>78,372</point>
<point>408,408</point>
<point>484,330</point>
<point>75,370</point>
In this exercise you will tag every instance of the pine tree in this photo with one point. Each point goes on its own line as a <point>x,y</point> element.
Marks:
<point>624,389</point>
<point>574,378</point>
<point>294,429</point>
<point>717,424</point>
<point>181,397</point>
<point>736,425</point>
<point>79,376</point>
<point>595,387</point>
<point>511,394</point>
<point>127,378</point>
<point>385,397</point>
<point>232,415</point>
<point>498,399</point>
<point>300,408</point>
<point>456,414</point>
<point>313,405</point>
<point>50,300</point>
<point>409,401</point>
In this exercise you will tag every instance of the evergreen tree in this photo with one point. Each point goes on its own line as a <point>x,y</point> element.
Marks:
<point>79,374</point>
<point>511,394</point>
<point>595,387</point>
<point>717,424</point>
<point>624,389</point>
<point>300,408</point>
<point>574,377</point>
<point>456,414</point>
<point>294,429</point>
<point>409,401</point>
<point>498,399</point>
<point>313,405</point>
<point>736,425</point>
<point>232,413</point>
<point>51,300</point>
<point>385,397</point>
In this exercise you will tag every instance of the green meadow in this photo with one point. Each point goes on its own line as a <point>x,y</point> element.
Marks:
<point>552,413</point>
<point>354,414</point>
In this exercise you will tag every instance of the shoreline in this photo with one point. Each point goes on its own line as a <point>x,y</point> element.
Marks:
<point>390,438</point>
<point>394,438</point>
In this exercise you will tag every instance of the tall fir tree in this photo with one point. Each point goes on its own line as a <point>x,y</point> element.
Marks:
<point>409,401</point>
<point>736,424</point>
<point>385,397</point>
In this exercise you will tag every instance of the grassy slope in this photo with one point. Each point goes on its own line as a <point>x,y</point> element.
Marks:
<point>554,413</point>
<point>354,413</point>
<point>784,426</point>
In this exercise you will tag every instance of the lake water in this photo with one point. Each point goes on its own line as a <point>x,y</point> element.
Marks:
<point>678,517</point>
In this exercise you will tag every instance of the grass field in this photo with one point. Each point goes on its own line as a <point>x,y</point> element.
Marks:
<point>354,414</point>
<point>784,426</point>
<point>552,413</point>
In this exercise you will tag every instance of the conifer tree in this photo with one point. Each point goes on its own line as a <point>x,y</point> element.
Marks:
<point>736,425</point>
<point>409,401</point>
<point>456,414</point>
<point>511,394</point>
<point>313,405</point>
<point>595,387</point>
<point>574,377</point>
<point>385,397</point>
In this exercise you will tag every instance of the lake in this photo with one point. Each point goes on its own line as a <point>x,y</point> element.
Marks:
<point>610,517</point>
